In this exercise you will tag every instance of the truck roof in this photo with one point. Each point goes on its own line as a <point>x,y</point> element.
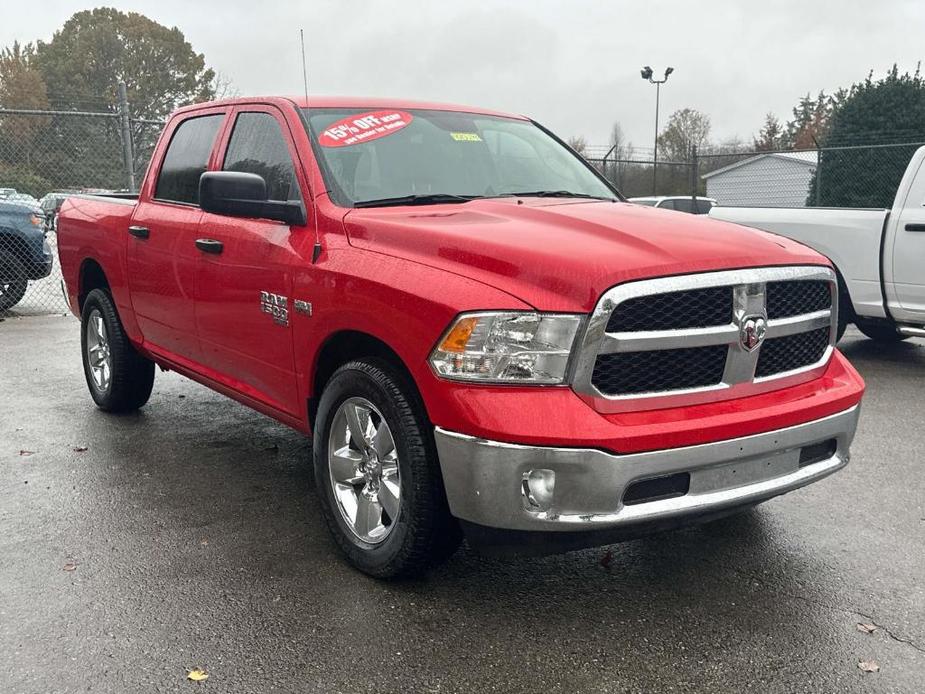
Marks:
<point>352,102</point>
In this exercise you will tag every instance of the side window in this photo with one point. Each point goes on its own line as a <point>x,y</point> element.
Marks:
<point>666,205</point>
<point>257,146</point>
<point>186,159</point>
<point>704,206</point>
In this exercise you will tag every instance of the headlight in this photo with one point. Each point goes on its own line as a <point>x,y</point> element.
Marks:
<point>507,347</point>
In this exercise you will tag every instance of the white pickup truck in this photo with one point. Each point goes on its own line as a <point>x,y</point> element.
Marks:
<point>879,254</point>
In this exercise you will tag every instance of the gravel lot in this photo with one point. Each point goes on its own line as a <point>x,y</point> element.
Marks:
<point>187,536</point>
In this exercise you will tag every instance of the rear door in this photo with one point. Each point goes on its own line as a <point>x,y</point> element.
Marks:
<point>244,300</point>
<point>161,255</point>
<point>908,271</point>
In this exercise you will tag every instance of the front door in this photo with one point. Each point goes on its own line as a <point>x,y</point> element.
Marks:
<point>161,255</point>
<point>909,250</point>
<point>244,290</point>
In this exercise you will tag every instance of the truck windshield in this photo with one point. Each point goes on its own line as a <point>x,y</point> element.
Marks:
<point>395,157</point>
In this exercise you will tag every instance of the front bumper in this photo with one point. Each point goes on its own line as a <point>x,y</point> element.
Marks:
<point>40,264</point>
<point>485,480</point>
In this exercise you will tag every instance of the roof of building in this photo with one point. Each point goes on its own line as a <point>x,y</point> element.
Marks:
<point>808,158</point>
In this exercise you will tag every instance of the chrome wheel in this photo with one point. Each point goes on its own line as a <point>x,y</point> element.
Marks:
<point>98,355</point>
<point>363,468</point>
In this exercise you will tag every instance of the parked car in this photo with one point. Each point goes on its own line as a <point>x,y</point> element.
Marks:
<point>13,195</point>
<point>879,255</point>
<point>480,334</point>
<point>24,253</point>
<point>681,203</point>
<point>51,204</point>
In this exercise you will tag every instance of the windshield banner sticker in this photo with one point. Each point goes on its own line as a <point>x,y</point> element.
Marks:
<point>466,137</point>
<point>364,127</point>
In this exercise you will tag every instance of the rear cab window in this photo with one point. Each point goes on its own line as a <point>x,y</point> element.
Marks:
<point>187,158</point>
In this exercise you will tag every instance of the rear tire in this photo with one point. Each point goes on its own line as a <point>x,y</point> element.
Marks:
<point>13,281</point>
<point>390,464</point>
<point>119,378</point>
<point>880,331</point>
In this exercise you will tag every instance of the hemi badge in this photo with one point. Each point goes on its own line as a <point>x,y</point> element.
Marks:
<point>302,306</point>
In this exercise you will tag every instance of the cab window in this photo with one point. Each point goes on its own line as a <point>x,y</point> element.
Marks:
<point>186,159</point>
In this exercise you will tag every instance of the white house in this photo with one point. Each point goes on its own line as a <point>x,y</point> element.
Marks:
<point>775,179</point>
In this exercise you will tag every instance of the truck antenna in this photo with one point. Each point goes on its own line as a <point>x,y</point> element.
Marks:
<point>304,66</point>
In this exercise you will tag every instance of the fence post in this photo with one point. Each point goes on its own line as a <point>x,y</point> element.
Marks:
<point>818,177</point>
<point>128,156</point>
<point>695,171</point>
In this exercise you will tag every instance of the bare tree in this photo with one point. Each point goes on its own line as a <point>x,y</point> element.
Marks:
<point>686,128</point>
<point>579,143</point>
<point>224,87</point>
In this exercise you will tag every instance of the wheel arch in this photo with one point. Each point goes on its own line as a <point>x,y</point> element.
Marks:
<point>844,296</point>
<point>13,242</point>
<point>91,276</point>
<point>348,345</point>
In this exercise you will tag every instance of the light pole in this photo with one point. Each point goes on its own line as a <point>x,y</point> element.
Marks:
<point>647,73</point>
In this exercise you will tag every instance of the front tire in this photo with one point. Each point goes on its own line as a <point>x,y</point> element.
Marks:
<point>377,473</point>
<point>880,331</point>
<point>119,378</point>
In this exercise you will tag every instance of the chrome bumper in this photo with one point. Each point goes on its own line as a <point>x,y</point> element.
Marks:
<point>486,480</point>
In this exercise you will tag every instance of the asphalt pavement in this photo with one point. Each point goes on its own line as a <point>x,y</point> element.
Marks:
<point>136,548</point>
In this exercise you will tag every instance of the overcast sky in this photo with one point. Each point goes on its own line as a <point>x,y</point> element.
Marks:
<point>572,65</point>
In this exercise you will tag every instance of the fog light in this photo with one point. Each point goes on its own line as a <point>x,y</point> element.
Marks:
<point>539,486</point>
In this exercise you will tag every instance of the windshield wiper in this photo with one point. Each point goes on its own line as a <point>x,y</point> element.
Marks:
<point>426,199</point>
<point>551,194</point>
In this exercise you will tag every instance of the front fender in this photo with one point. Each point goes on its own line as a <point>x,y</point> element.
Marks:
<point>404,304</point>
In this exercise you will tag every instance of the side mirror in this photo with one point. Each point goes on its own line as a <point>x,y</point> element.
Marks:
<point>240,194</point>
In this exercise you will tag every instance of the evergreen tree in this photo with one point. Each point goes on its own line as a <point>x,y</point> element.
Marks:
<point>890,110</point>
<point>771,136</point>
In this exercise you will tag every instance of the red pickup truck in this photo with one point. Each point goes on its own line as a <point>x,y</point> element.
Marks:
<point>481,335</point>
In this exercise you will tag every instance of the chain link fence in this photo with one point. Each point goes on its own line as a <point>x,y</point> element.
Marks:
<point>857,176</point>
<point>46,155</point>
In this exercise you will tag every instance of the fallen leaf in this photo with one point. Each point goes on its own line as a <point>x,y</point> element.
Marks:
<point>607,559</point>
<point>197,675</point>
<point>203,542</point>
<point>80,449</point>
<point>866,628</point>
<point>24,452</point>
<point>70,566</point>
<point>869,666</point>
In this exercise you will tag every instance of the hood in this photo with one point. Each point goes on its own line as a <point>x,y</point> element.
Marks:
<point>561,255</point>
<point>22,207</point>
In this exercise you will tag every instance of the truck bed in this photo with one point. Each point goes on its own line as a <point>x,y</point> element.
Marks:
<point>850,238</point>
<point>93,228</point>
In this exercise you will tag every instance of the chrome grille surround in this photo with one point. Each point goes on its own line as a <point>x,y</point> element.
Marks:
<point>739,379</point>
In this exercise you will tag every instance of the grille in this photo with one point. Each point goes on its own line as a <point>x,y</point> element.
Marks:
<point>676,341</point>
<point>630,373</point>
<point>695,308</point>
<point>792,352</point>
<point>787,299</point>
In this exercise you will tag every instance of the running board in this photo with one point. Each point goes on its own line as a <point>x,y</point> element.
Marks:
<point>911,331</point>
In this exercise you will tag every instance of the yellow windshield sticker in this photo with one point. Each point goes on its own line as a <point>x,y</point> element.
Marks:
<point>466,137</point>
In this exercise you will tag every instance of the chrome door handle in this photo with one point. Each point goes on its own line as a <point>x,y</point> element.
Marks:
<point>209,245</point>
<point>139,232</point>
